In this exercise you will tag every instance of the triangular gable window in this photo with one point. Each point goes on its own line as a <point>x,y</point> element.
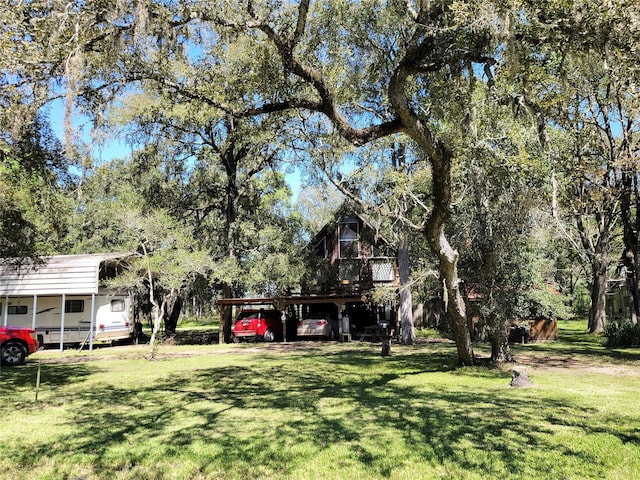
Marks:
<point>349,235</point>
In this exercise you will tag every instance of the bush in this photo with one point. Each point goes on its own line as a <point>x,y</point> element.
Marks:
<point>622,334</point>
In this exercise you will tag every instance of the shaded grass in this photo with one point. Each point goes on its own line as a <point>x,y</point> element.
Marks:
<point>574,341</point>
<point>334,411</point>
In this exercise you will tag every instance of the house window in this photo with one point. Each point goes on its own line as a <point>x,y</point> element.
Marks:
<point>17,310</point>
<point>74,306</point>
<point>349,235</point>
<point>117,305</point>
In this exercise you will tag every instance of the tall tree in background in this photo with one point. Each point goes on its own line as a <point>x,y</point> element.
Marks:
<point>404,264</point>
<point>218,175</point>
<point>505,172</point>
<point>33,178</point>
<point>578,75</point>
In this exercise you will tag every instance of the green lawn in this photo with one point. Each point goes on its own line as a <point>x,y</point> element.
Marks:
<point>313,411</point>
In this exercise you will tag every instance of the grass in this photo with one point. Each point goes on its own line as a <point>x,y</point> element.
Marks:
<point>322,411</point>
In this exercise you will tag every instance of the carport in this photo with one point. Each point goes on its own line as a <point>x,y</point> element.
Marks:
<point>281,303</point>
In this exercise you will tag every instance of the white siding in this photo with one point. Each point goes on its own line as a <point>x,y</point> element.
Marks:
<point>64,274</point>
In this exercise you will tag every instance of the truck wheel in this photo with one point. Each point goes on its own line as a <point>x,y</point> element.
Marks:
<point>13,354</point>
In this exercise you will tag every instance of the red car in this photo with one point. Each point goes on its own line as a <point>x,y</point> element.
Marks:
<point>16,344</point>
<point>262,324</point>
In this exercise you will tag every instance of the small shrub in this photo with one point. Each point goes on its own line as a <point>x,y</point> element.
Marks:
<point>622,334</point>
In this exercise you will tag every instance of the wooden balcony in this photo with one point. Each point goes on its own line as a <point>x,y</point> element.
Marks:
<point>357,275</point>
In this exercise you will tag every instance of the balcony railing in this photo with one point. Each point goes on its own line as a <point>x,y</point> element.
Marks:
<point>357,275</point>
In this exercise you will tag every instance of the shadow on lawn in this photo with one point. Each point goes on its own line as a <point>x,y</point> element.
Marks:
<point>55,376</point>
<point>254,415</point>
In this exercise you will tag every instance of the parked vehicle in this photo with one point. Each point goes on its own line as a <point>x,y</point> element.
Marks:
<point>258,324</point>
<point>319,321</point>
<point>112,317</point>
<point>16,344</point>
<point>65,300</point>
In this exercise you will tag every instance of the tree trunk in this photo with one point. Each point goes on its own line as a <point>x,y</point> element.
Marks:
<point>454,301</point>
<point>441,159</point>
<point>225,317</point>
<point>597,313</point>
<point>156,311</point>
<point>634,292</point>
<point>500,351</point>
<point>630,224</point>
<point>172,315</point>
<point>157,314</point>
<point>406,304</point>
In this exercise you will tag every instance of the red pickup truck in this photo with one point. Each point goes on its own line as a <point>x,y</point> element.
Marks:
<point>16,344</point>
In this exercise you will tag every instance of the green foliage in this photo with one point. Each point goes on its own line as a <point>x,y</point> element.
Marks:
<point>581,300</point>
<point>623,334</point>
<point>33,210</point>
<point>216,96</point>
<point>502,230</point>
<point>547,302</point>
<point>106,195</point>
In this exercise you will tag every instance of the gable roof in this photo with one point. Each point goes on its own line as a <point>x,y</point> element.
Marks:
<point>60,274</point>
<point>343,215</point>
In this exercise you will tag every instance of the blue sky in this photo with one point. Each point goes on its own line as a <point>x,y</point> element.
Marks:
<point>119,148</point>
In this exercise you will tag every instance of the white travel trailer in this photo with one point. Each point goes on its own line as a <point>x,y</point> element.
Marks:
<point>64,300</point>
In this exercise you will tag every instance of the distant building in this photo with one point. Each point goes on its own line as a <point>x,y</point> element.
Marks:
<point>351,256</point>
<point>347,259</point>
<point>618,298</point>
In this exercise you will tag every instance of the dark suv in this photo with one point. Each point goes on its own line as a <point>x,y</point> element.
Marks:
<point>16,344</point>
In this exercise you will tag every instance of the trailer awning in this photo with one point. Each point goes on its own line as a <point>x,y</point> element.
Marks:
<point>61,274</point>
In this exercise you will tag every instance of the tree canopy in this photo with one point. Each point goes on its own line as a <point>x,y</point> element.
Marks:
<point>502,108</point>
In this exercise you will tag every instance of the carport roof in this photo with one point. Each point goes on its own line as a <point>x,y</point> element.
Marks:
<point>293,300</point>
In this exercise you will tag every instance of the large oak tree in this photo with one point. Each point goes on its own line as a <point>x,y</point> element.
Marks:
<point>358,71</point>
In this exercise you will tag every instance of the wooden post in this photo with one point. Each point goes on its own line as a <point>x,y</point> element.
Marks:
<point>284,326</point>
<point>37,384</point>
<point>221,328</point>
<point>386,341</point>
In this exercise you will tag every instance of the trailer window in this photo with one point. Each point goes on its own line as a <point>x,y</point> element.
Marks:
<point>17,310</point>
<point>117,305</point>
<point>74,306</point>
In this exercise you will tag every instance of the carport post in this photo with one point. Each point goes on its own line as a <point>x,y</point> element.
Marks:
<point>284,325</point>
<point>5,312</point>
<point>92,324</point>
<point>64,298</point>
<point>221,332</point>
<point>342,334</point>
<point>35,307</point>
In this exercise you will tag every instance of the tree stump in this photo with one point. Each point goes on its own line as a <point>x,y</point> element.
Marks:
<point>386,347</point>
<point>519,377</point>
